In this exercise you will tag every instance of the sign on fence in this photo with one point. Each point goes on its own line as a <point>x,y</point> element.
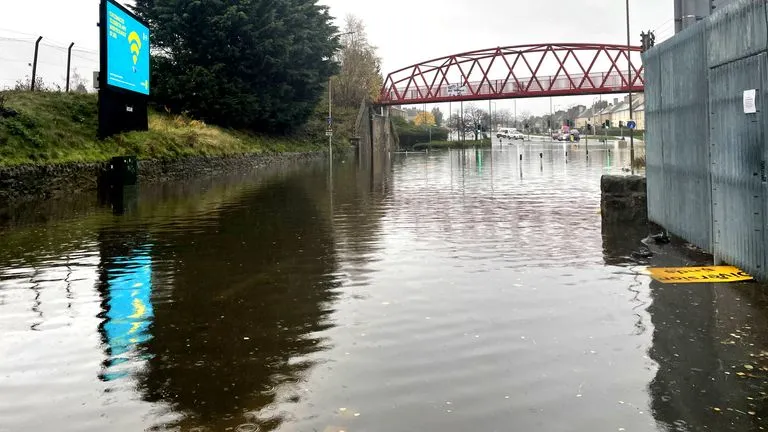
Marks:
<point>456,90</point>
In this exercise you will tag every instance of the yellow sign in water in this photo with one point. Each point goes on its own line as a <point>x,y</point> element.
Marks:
<point>676,275</point>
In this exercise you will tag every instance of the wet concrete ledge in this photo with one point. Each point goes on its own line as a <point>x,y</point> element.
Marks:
<point>42,182</point>
<point>623,199</point>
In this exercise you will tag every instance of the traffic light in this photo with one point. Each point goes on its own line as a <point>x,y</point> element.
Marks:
<point>607,124</point>
<point>647,40</point>
<point>621,124</point>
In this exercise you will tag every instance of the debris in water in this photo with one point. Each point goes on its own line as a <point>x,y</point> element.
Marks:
<point>246,338</point>
<point>716,409</point>
<point>357,414</point>
<point>748,367</point>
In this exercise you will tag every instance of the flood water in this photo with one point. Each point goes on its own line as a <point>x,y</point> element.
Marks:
<point>455,291</point>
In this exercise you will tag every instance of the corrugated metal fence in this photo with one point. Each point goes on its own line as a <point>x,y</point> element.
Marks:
<point>705,155</point>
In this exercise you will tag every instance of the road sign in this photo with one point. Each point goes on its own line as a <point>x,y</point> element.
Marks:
<point>329,133</point>
<point>330,120</point>
<point>698,275</point>
<point>631,124</point>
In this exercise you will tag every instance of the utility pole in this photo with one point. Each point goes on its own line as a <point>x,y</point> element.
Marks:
<point>330,118</point>
<point>463,136</point>
<point>550,117</point>
<point>631,109</point>
<point>515,113</point>
<point>490,123</point>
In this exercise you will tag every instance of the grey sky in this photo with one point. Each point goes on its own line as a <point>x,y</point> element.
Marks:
<point>404,31</point>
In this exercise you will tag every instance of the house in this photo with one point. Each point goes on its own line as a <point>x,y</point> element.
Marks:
<point>584,118</point>
<point>620,111</point>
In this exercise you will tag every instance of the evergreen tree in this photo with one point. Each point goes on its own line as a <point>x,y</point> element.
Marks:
<point>258,64</point>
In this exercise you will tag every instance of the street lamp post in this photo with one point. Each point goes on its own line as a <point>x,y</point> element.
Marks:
<point>631,110</point>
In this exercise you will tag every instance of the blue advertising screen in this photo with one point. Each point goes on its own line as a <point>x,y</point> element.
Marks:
<point>127,51</point>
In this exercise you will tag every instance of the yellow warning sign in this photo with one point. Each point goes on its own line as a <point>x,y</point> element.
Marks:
<point>676,275</point>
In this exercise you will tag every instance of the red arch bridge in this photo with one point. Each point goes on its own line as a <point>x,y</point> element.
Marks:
<point>522,71</point>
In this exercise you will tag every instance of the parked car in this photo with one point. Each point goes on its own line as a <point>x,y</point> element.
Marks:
<point>517,136</point>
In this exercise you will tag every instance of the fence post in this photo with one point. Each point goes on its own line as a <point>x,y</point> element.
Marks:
<point>69,62</point>
<point>34,64</point>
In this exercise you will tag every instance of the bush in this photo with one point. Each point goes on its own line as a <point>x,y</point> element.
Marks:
<point>410,135</point>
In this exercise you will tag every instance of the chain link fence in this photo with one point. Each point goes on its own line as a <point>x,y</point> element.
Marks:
<point>17,57</point>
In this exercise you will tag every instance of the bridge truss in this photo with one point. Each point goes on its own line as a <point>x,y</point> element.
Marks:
<point>522,71</point>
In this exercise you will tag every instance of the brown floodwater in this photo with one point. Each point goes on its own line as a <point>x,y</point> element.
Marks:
<point>452,291</point>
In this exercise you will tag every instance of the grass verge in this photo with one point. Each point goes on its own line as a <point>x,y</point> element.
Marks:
<point>51,127</point>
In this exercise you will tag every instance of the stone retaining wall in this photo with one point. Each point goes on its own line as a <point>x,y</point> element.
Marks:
<point>623,199</point>
<point>41,182</point>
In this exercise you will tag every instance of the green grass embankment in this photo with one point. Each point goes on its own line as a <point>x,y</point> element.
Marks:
<point>60,127</point>
<point>437,145</point>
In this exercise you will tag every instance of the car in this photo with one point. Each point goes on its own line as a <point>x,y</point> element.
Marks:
<point>517,136</point>
<point>506,133</point>
<point>572,136</point>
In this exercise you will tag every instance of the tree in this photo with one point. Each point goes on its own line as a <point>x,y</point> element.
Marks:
<point>425,118</point>
<point>525,120</point>
<point>438,115</point>
<point>77,83</point>
<point>503,117</point>
<point>259,64</point>
<point>359,78</point>
<point>475,119</point>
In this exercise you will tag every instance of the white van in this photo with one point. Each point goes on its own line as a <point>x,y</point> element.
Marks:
<point>507,133</point>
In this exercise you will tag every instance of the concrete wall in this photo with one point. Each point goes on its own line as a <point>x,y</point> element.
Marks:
<point>377,138</point>
<point>705,156</point>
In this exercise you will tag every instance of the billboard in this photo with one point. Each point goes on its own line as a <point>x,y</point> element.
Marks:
<point>127,50</point>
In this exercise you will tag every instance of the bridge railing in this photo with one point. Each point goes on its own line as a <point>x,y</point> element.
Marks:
<point>613,82</point>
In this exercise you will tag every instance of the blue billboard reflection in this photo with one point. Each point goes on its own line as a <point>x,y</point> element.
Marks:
<point>129,308</point>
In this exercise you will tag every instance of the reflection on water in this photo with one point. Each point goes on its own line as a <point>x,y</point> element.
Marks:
<point>451,291</point>
<point>129,310</point>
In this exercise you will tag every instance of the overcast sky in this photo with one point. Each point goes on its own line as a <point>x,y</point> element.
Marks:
<point>405,31</point>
